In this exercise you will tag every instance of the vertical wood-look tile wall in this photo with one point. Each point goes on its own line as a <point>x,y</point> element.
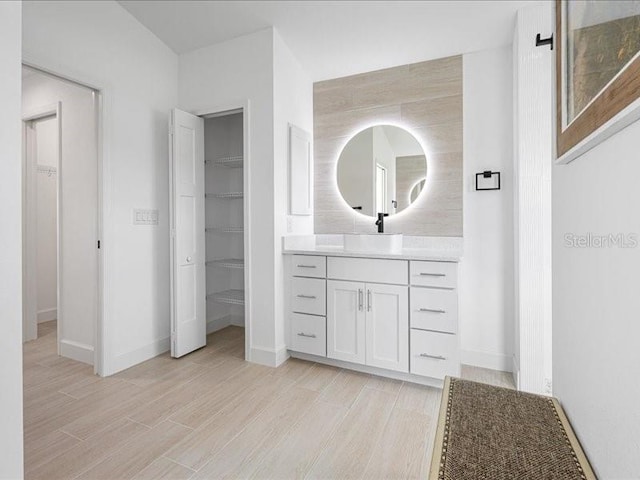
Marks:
<point>426,98</point>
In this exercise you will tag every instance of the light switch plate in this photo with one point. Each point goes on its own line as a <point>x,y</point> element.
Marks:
<point>145,217</point>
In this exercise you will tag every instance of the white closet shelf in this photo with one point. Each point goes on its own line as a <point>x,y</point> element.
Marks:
<point>233,297</point>
<point>224,195</point>
<point>227,263</point>
<point>224,230</point>
<point>229,162</point>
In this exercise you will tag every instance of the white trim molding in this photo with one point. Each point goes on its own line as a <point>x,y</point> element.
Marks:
<point>492,361</point>
<point>77,351</point>
<point>406,377</point>
<point>47,314</point>
<point>269,357</point>
<point>130,359</point>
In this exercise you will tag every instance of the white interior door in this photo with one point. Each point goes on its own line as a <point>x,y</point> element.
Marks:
<point>346,321</point>
<point>188,296</point>
<point>387,327</point>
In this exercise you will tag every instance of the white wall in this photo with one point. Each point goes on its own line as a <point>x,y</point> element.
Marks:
<point>101,44</point>
<point>486,288</point>
<point>293,104</point>
<point>79,203</point>
<point>47,217</point>
<point>10,243</point>
<point>236,71</point>
<point>596,306</point>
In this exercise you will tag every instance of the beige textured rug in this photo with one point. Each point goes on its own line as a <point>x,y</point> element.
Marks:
<point>493,433</point>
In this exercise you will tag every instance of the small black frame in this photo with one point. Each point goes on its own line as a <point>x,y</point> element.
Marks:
<point>488,174</point>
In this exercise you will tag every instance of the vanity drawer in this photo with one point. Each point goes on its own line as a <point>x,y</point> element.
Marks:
<point>434,274</point>
<point>434,309</point>
<point>374,270</point>
<point>308,334</point>
<point>434,354</point>
<point>309,295</point>
<point>309,266</point>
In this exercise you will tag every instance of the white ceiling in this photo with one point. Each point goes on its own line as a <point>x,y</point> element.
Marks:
<point>337,38</point>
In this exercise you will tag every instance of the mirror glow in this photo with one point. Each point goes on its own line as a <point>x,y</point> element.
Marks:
<point>382,169</point>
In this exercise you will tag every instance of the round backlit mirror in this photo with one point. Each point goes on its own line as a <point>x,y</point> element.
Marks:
<point>381,170</point>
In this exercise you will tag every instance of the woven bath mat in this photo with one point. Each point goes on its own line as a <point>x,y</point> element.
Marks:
<point>493,433</point>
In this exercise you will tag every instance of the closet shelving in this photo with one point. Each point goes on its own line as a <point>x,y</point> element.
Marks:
<point>232,296</point>
<point>224,195</point>
<point>224,230</point>
<point>224,212</point>
<point>236,161</point>
<point>236,263</point>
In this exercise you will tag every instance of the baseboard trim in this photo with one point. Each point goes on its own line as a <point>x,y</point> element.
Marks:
<point>381,372</point>
<point>216,324</point>
<point>76,351</point>
<point>130,359</point>
<point>47,315</point>
<point>269,357</point>
<point>492,361</point>
<point>516,373</point>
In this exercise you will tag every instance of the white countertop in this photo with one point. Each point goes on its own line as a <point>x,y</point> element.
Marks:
<point>443,250</point>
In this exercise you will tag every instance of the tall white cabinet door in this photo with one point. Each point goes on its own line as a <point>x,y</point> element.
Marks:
<point>346,321</point>
<point>188,296</point>
<point>387,327</point>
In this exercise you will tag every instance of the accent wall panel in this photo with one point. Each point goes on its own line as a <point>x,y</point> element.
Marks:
<point>424,98</point>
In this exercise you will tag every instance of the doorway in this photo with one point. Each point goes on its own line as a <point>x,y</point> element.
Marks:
<point>210,261</point>
<point>60,215</point>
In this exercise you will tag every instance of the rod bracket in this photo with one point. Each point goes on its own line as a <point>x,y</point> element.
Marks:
<point>540,42</point>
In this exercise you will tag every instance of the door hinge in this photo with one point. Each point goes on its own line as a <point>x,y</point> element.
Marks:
<point>98,243</point>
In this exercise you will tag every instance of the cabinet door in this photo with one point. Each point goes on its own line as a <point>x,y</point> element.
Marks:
<point>387,326</point>
<point>346,321</point>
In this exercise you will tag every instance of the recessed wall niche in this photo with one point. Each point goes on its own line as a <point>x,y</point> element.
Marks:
<point>426,99</point>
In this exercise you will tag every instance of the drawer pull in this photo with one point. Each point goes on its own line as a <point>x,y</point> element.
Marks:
<point>432,310</point>
<point>307,266</point>
<point>437,357</point>
<point>306,296</point>
<point>308,335</point>
<point>426,274</point>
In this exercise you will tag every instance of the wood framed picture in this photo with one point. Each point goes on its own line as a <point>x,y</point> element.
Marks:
<point>597,72</point>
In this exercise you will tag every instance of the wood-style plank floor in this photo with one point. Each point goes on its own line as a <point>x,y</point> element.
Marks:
<point>212,415</point>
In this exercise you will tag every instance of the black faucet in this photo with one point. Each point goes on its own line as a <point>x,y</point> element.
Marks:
<point>380,221</point>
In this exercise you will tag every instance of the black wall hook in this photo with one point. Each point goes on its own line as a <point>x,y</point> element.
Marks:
<point>544,41</point>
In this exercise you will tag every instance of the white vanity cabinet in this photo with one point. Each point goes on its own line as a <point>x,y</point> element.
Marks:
<point>392,317</point>
<point>307,304</point>
<point>367,323</point>
<point>435,349</point>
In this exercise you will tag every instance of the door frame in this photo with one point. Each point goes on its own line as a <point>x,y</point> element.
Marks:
<point>29,223</point>
<point>101,343</point>
<point>229,107</point>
